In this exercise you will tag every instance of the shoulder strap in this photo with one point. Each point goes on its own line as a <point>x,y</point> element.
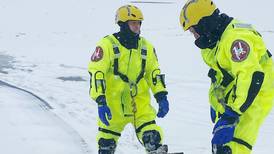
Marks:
<point>116,61</point>
<point>144,58</point>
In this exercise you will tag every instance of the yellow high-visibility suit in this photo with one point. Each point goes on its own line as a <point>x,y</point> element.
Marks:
<point>242,78</point>
<point>118,76</point>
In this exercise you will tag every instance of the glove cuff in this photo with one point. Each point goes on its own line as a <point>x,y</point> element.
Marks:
<point>101,100</point>
<point>230,115</point>
<point>160,96</point>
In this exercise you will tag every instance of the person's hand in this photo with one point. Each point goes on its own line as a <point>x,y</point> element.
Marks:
<point>104,111</point>
<point>223,130</point>
<point>163,106</point>
<point>104,114</point>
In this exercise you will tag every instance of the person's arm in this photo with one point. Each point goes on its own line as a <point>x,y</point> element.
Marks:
<point>153,76</point>
<point>245,66</point>
<point>249,77</point>
<point>156,82</point>
<point>98,66</point>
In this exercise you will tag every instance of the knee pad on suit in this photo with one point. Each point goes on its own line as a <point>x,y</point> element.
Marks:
<point>106,146</point>
<point>151,140</point>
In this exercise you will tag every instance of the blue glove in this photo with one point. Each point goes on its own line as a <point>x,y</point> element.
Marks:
<point>103,110</point>
<point>223,130</point>
<point>163,105</point>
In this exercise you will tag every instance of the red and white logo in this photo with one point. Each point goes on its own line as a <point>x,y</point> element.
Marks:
<point>239,50</point>
<point>97,55</point>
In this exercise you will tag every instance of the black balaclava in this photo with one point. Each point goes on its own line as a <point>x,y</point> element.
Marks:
<point>210,29</point>
<point>126,37</point>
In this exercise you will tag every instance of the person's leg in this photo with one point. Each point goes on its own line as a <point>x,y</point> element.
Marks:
<point>247,129</point>
<point>107,139</point>
<point>238,148</point>
<point>148,132</point>
<point>108,136</point>
<point>106,146</point>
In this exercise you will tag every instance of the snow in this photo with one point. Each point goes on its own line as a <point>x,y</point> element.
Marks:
<point>29,127</point>
<point>45,48</point>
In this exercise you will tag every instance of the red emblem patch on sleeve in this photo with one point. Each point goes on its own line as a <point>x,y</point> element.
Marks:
<point>239,50</point>
<point>97,55</point>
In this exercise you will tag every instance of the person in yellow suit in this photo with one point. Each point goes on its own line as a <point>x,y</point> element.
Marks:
<point>123,69</point>
<point>241,72</point>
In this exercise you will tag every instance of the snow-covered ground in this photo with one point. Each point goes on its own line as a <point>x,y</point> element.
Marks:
<point>28,126</point>
<point>45,47</point>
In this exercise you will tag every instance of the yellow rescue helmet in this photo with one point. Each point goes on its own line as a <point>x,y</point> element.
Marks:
<point>194,10</point>
<point>128,12</point>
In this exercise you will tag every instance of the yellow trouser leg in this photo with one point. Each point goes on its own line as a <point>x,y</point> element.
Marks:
<point>247,129</point>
